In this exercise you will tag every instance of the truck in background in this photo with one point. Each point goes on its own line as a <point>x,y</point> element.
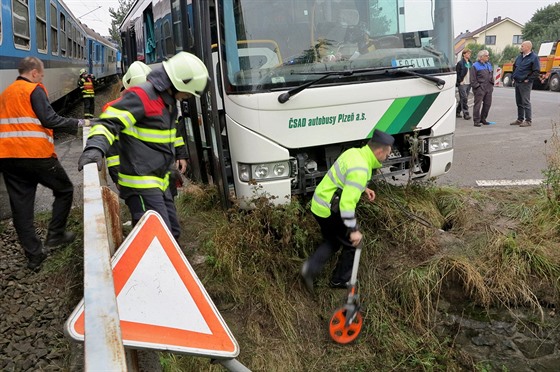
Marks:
<point>549,55</point>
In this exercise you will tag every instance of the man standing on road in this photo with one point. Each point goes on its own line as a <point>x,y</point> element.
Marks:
<point>27,158</point>
<point>526,69</point>
<point>143,119</point>
<point>334,207</point>
<point>464,84</point>
<point>482,82</point>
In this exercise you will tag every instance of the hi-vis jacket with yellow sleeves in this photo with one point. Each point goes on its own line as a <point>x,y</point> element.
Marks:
<point>143,120</point>
<point>85,83</point>
<point>350,173</point>
<point>21,133</point>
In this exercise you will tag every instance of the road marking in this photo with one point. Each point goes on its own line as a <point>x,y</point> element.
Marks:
<point>491,183</point>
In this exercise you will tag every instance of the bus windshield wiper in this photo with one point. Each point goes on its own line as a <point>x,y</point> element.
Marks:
<point>439,82</point>
<point>284,97</point>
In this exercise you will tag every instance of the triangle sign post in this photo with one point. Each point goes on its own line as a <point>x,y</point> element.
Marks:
<point>161,302</point>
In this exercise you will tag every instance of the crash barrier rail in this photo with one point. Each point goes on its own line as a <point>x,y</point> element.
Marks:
<point>103,344</point>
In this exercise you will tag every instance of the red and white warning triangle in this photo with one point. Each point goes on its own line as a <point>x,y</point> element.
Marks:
<point>162,304</point>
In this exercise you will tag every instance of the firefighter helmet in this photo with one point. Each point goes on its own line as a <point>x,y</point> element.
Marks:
<point>82,71</point>
<point>187,73</point>
<point>136,74</point>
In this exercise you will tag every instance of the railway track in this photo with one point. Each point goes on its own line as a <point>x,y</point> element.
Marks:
<point>35,306</point>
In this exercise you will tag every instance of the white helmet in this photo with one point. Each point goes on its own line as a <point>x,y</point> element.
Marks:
<point>136,74</point>
<point>187,73</point>
<point>82,71</point>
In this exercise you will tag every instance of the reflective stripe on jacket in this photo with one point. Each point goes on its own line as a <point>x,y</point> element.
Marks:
<point>86,85</point>
<point>350,173</point>
<point>21,132</point>
<point>143,122</point>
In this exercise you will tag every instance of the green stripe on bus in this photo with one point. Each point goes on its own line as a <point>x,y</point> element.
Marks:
<point>404,114</point>
<point>419,113</point>
<point>389,116</point>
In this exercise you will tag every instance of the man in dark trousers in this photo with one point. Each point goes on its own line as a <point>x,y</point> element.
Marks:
<point>143,119</point>
<point>482,83</point>
<point>27,158</point>
<point>526,69</point>
<point>86,84</point>
<point>464,84</point>
<point>334,207</point>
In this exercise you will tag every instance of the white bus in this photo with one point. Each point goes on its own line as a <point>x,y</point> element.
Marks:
<point>296,82</point>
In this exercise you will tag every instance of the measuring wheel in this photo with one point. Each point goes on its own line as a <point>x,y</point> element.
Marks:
<point>345,325</point>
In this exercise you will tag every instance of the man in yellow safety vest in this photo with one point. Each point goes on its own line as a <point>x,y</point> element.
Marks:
<point>334,207</point>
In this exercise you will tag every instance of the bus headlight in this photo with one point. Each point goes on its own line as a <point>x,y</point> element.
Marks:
<point>435,144</point>
<point>264,171</point>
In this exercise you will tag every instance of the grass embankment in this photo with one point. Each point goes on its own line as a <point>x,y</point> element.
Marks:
<point>499,249</point>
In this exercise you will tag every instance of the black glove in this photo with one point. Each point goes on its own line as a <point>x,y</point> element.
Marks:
<point>91,155</point>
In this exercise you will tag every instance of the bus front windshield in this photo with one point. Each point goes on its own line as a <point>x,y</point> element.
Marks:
<point>276,44</point>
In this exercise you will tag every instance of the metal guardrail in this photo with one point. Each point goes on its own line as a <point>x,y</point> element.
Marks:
<point>104,350</point>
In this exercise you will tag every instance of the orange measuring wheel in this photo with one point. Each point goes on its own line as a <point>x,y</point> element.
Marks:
<point>339,330</point>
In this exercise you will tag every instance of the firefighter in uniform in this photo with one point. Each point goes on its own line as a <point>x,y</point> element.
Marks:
<point>144,121</point>
<point>136,74</point>
<point>85,83</point>
<point>27,158</point>
<point>334,207</point>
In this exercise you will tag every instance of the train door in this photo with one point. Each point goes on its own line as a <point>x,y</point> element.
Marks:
<point>102,59</point>
<point>90,55</point>
<point>203,25</point>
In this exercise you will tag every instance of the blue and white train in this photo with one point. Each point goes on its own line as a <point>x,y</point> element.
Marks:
<point>48,30</point>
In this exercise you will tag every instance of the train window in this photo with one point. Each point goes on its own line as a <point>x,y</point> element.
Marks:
<point>177,30</point>
<point>62,35</point>
<point>169,46</point>
<point>41,25</point>
<point>150,36</point>
<point>54,30</point>
<point>0,28</point>
<point>20,19</point>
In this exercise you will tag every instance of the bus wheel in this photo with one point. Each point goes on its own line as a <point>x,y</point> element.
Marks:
<point>554,83</point>
<point>507,80</point>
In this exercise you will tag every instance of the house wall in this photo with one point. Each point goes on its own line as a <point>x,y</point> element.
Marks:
<point>503,31</point>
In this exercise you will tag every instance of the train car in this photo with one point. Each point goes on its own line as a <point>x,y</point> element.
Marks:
<point>48,30</point>
<point>101,56</point>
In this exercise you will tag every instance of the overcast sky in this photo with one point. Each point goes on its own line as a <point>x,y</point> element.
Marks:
<point>468,14</point>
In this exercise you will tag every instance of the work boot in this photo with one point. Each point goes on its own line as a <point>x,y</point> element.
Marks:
<point>526,123</point>
<point>467,117</point>
<point>338,284</point>
<point>458,114</point>
<point>54,240</point>
<point>34,262</point>
<point>517,122</point>
<point>306,278</point>
<point>477,124</point>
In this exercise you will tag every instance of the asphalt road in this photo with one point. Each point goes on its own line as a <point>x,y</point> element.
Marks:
<point>502,151</point>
